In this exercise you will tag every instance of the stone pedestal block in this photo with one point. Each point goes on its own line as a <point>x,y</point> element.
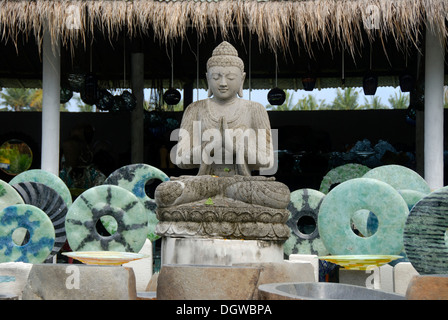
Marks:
<point>201,251</point>
<point>79,282</point>
<point>379,278</point>
<point>286,271</point>
<point>307,258</point>
<point>142,267</point>
<point>428,287</point>
<point>13,277</point>
<point>403,274</point>
<point>195,282</point>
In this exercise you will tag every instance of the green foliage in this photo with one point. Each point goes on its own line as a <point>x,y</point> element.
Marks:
<point>23,99</point>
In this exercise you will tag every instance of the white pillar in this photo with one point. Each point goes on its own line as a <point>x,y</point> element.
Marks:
<point>434,81</point>
<point>137,128</point>
<point>51,73</point>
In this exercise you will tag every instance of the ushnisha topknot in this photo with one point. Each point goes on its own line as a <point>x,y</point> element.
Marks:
<point>225,55</point>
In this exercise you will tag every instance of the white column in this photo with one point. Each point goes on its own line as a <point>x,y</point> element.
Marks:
<point>434,81</point>
<point>51,73</point>
<point>137,128</point>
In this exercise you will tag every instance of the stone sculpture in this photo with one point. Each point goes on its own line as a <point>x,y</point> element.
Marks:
<point>424,234</point>
<point>341,203</point>
<point>226,138</point>
<point>304,210</point>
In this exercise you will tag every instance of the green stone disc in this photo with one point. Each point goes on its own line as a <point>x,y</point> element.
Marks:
<point>425,234</point>
<point>106,201</point>
<point>133,178</point>
<point>341,174</point>
<point>304,209</point>
<point>8,195</point>
<point>39,226</point>
<point>47,178</point>
<point>340,204</point>
<point>399,177</point>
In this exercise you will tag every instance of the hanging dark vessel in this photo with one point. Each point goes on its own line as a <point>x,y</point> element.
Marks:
<point>171,96</point>
<point>65,95</point>
<point>406,82</point>
<point>119,104</point>
<point>130,100</point>
<point>105,100</point>
<point>90,93</point>
<point>276,96</point>
<point>370,84</point>
<point>308,82</point>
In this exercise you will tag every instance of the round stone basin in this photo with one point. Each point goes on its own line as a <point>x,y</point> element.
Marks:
<point>321,291</point>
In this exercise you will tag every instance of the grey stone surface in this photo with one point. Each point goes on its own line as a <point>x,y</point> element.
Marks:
<point>201,251</point>
<point>322,291</point>
<point>79,282</point>
<point>273,272</point>
<point>15,276</point>
<point>188,282</point>
<point>224,200</point>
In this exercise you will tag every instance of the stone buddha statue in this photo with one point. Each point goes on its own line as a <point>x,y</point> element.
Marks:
<point>227,138</point>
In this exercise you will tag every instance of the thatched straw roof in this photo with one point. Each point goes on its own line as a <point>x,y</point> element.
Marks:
<point>275,23</point>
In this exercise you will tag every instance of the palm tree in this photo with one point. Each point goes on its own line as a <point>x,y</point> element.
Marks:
<point>36,100</point>
<point>375,103</point>
<point>309,103</point>
<point>346,99</point>
<point>400,101</point>
<point>23,99</point>
<point>18,99</point>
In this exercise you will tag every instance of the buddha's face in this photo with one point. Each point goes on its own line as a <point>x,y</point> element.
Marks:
<point>225,82</point>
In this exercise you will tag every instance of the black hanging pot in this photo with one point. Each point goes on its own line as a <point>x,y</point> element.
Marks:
<point>406,82</point>
<point>276,96</point>
<point>370,84</point>
<point>105,100</point>
<point>171,96</point>
<point>130,101</point>
<point>90,93</point>
<point>308,83</point>
<point>76,81</point>
<point>65,95</point>
<point>119,104</point>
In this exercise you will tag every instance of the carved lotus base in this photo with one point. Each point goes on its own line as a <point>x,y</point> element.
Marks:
<point>223,219</point>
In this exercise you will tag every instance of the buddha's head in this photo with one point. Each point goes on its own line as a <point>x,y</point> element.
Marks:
<point>225,73</point>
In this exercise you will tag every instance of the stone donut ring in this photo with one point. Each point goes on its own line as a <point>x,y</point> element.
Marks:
<point>340,204</point>
<point>424,235</point>
<point>106,200</point>
<point>39,226</point>
<point>305,204</point>
<point>50,202</point>
<point>134,178</point>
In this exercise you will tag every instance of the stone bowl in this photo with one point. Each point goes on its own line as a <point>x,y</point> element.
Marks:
<point>321,291</point>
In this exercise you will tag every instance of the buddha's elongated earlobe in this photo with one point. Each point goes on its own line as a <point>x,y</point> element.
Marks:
<point>209,93</point>
<point>240,91</point>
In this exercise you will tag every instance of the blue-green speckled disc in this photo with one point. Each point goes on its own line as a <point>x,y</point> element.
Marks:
<point>41,230</point>
<point>106,200</point>
<point>399,177</point>
<point>411,197</point>
<point>134,178</point>
<point>8,195</point>
<point>341,174</point>
<point>425,234</point>
<point>338,206</point>
<point>304,239</point>
<point>47,178</point>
